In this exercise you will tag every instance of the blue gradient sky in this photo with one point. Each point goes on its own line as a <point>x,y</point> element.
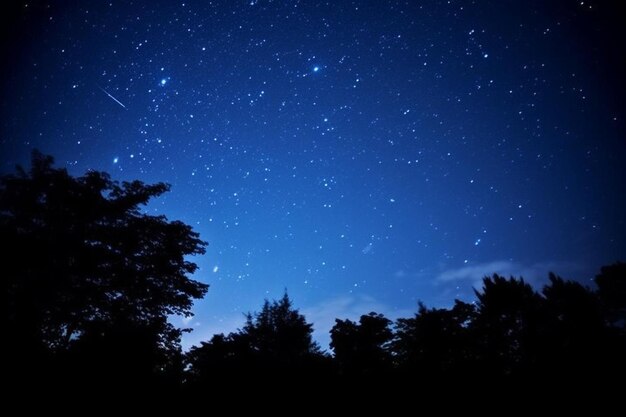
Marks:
<point>361,155</point>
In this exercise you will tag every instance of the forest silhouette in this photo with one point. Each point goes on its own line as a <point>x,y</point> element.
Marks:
<point>90,281</point>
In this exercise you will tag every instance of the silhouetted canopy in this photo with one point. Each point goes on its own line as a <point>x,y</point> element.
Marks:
<point>83,261</point>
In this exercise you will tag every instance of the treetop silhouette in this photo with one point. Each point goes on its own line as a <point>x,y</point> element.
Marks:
<point>82,258</point>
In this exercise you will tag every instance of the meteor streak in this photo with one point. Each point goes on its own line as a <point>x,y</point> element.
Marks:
<point>113,98</point>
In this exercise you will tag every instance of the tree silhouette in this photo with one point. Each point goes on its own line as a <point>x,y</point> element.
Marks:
<point>83,262</point>
<point>573,331</point>
<point>362,348</point>
<point>436,342</point>
<point>611,282</point>
<point>506,325</point>
<point>277,341</point>
<point>279,332</point>
<point>219,360</point>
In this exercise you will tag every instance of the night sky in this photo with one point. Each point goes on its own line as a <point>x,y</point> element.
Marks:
<point>362,155</point>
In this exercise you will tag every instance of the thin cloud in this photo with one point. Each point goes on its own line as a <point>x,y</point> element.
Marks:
<point>535,274</point>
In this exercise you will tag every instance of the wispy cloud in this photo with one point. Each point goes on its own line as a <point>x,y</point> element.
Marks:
<point>535,274</point>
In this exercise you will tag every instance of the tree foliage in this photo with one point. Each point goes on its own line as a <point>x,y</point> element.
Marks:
<point>276,340</point>
<point>83,260</point>
<point>363,347</point>
<point>279,331</point>
<point>435,342</point>
<point>611,282</point>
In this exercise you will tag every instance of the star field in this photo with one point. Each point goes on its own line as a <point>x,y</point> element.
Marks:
<point>362,155</point>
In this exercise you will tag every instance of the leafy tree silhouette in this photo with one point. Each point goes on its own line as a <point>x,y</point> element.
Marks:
<point>436,343</point>
<point>223,359</point>
<point>362,348</point>
<point>87,268</point>
<point>276,341</point>
<point>279,332</point>
<point>506,325</point>
<point>573,331</point>
<point>611,282</point>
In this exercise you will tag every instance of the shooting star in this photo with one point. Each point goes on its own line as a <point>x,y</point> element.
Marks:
<point>113,98</point>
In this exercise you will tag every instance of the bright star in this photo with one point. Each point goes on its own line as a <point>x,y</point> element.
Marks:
<point>163,81</point>
<point>315,69</point>
<point>116,160</point>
